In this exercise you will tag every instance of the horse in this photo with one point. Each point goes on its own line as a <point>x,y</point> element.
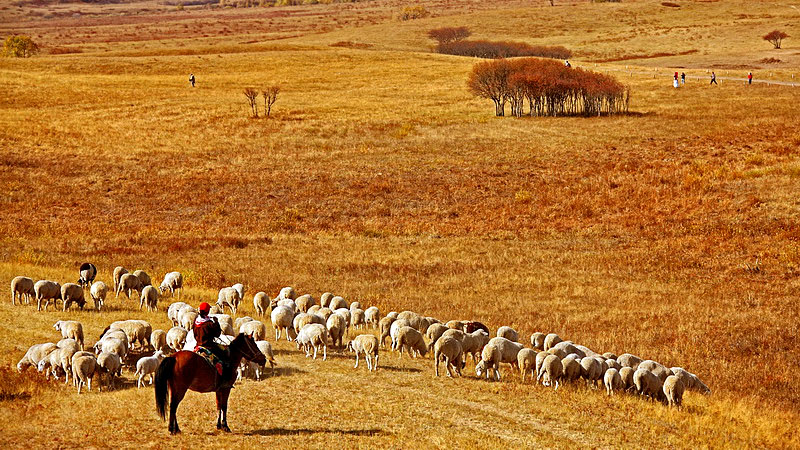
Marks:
<point>187,370</point>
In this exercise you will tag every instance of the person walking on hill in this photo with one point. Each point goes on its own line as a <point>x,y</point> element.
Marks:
<point>567,64</point>
<point>683,78</point>
<point>713,78</point>
<point>750,78</point>
<point>191,79</point>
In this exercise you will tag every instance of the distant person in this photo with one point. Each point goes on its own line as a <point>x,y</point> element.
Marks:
<point>675,82</point>
<point>676,76</point>
<point>191,79</point>
<point>750,78</point>
<point>713,78</point>
<point>566,63</point>
<point>683,78</point>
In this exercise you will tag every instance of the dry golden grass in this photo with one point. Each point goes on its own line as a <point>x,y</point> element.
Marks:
<point>380,178</point>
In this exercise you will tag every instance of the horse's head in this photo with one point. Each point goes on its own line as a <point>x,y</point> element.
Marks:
<point>250,350</point>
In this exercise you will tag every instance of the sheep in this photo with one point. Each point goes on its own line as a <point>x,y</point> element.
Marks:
<point>628,360</point>
<point>137,331</point>
<point>46,290</point>
<point>84,367</point>
<point>239,288</point>
<point>471,326</point>
<point>143,277</point>
<point>70,329</point>
<point>537,340</point>
<point>111,345</point>
<point>173,281</point>
<point>508,333</point>
<point>395,328</point>
<point>304,302</point>
<point>613,381</point>
<point>98,292</point>
<point>282,318</point>
<point>65,355</point>
<point>72,293</point>
<point>690,380</point>
<point>68,343</point>
<point>187,317</point>
<point>337,302</point>
<point>368,345</point>
<point>225,323</point>
<point>158,339</point>
<point>551,371</point>
<point>550,340</point>
<point>455,324</point>
<point>147,366</point>
<point>336,325</point>
<point>449,351</point>
<point>314,309</point>
<point>559,352</point>
<point>357,318</point>
<point>591,370</point>
<point>385,327</point>
<point>569,348</point>
<point>613,364</point>
<point>647,383</point>
<point>419,323</point>
<point>491,356</point>
<point>287,292</point>
<point>119,271</point>
<point>526,360</point>
<point>673,390</point>
<point>237,324</point>
<point>626,374</point>
<point>87,272</point>
<point>508,349</point>
<point>173,312</point>
<point>261,302</point>
<point>344,312</point>
<point>313,335</point>
<point>372,316</point>
<point>355,305</point>
<point>128,283</point>
<point>176,338</point>
<point>109,364</point>
<point>658,370</point>
<point>115,333</point>
<point>473,343</point>
<point>325,299</point>
<point>289,303</point>
<point>254,328</point>
<point>149,297</point>
<point>303,319</point>
<point>410,339</point>
<point>22,288</point>
<point>434,332</point>
<point>51,364</point>
<point>246,368</point>
<point>392,314</point>
<point>609,355</point>
<point>229,297</point>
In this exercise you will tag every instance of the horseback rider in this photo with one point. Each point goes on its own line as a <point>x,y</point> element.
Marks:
<point>205,329</point>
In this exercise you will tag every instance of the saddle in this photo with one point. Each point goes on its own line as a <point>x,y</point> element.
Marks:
<point>212,359</point>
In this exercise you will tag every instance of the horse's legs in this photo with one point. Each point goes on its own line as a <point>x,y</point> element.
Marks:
<point>176,395</point>
<point>222,410</point>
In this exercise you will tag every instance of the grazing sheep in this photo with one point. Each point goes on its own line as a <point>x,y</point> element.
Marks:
<point>84,368</point>
<point>526,360</point>
<point>225,323</point>
<point>613,364</point>
<point>569,348</point>
<point>449,351</point>
<point>147,366</point>
<point>239,288</point>
<point>472,325</point>
<point>119,271</point>
<point>187,318</point>
<point>111,345</point>
<point>115,333</point>
<point>508,349</point>
<point>647,383</point>
<point>690,380</point>
<point>628,360</point>
<point>287,292</point>
<point>337,302</point>
<point>176,338</point>
<point>550,340</point>
<point>325,299</point>
<point>385,327</point>
<point>410,339</point>
<point>540,360</point>
<point>304,302</point>
<point>393,315</point>
<point>336,325</point>
<point>609,355</point>
<point>626,374</point>
<point>591,371</point>
<point>46,290</point>
<point>372,316</point>
<point>87,272</point>
<point>344,312</point>
<point>473,343</point>
<point>455,324</point>
<point>149,297</point>
<point>395,328</point>
<point>237,324</point>
<point>368,345</point>
<point>21,287</point>
<point>313,336</point>
<point>229,297</point>
<point>357,318</point>
<point>254,328</point>
<point>303,319</point>
<point>253,370</point>
<point>282,318</point>
<point>110,365</point>
<point>261,303</point>
<point>158,339</point>
<point>658,370</point>
<point>65,355</point>
<point>434,332</point>
<point>173,281</point>
<point>559,352</point>
<point>673,390</point>
<point>537,341</point>
<point>51,364</point>
<point>287,302</point>
<point>551,371</point>
<point>571,369</point>
<point>173,312</point>
<point>70,329</point>
<point>35,354</point>
<point>143,277</point>
<point>128,283</point>
<point>72,293</point>
<point>613,381</point>
<point>314,309</point>
<point>508,333</point>
<point>98,292</point>
<point>491,357</point>
<point>355,305</point>
<point>137,331</point>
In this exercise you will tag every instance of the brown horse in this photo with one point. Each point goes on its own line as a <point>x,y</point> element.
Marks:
<point>187,370</point>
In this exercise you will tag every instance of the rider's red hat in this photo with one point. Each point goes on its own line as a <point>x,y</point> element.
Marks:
<point>204,307</point>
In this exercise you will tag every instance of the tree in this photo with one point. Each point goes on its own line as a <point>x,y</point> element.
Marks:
<point>270,97</point>
<point>775,37</point>
<point>449,34</point>
<point>19,47</point>
<point>490,80</point>
<point>252,95</point>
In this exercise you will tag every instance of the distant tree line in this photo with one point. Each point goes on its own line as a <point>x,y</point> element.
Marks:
<point>453,41</point>
<point>550,88</point>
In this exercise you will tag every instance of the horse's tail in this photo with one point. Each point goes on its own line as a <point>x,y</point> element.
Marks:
<point>163,374</point>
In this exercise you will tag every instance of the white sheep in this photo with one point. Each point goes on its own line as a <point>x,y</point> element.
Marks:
<point>51,364</point>
<point>551,371</point>
<point>410,339</point>
<point>128,283</point>
<point>176,338</point>
<point>337,302</point>
<point>173,311</point>
<point>173,281</point>
<point>433,333</point>
<point>345,313</point>
<point>22,288</point>
<point>325,299</point>
<point>449,351</point>
<point>690,380</point>
<point>288,292</point>
<point>550,340</point>
<point>137,331</point>
<point>647,383</point>
<point>673,390</point>
<point>187,317</point>
<point>229,297</point>
<point>119,271</point>
<point>158,339</point>
<point>304,302</point>
<point>313,336</point>
<point>147,366</point>
<point>658,370</point>
<point>237,324</point>
<point>357,318</point>
<point>254,328</point>
<point>368,345</point>
<point>508,333</point>
<point>46,290</point>
<point>613,381</point>
<point>395,328</point>
<point>372,316</point>
<point>98,292</point>
<point>111,345</point>
<point>355,305</point>
<point>84,368</point>
<point>303,319</point>
<point>261,303</point>
<point>239,288</point>
<point>149,298</point>
<point>626,374</point>
<point>88,272</point>
<point>609,355</point>
<point>526,360</point>
<point>392,314</point>
<point>251,369</point>
<point>282,318</point>
<point>571,368</point>
<point>143,277</point>
<point>628,360</point>
<point>491,357</point>
<point>537,340</point>
<point>110,365</point>
<point>508,348</point>
<point>35,354</point>
<point>591,370</point>
<point>72,293</point>
<point>225,323</point>
<point>385,328</point>
<point>336,325</point>
<point>473,343</point>
<point>70,329</point>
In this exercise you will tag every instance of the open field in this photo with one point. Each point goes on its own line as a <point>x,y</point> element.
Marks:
<point>380,178</point>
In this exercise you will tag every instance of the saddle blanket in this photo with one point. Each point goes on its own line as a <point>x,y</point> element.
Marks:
<point>210,358</point>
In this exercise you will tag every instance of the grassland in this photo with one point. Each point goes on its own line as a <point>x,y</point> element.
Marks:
<point>380,178</point>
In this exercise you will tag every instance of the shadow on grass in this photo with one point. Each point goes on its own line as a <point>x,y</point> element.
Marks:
<point>302,431</point>
<point>398,369</point>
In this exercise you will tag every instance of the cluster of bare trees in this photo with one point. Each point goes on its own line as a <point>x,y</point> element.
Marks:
<point>270,95</point>
<point>550,88</point>
<point>453,41</point>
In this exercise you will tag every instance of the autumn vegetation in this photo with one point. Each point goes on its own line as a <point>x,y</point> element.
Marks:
<point>775,37</point>
<point>19,47</point>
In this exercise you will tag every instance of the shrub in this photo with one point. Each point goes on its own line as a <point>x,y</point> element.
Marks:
<point>19,47</point>
<point>251,95</point>
<point>414,12</point>
<point>494,49</point>
<point>670,5</point>
<point>270,95</point>
<point>775,37</point>
<point>449,34</point>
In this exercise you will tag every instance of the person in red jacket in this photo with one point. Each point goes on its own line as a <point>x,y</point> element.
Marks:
<point>750,78</point>
<point>205,330</point>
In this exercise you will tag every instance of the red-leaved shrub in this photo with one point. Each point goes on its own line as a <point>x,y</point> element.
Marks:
<point>500,49</point>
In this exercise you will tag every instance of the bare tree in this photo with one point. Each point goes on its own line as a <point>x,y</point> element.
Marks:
<point>270,97</point>
<point>775,37</point>
<point>252,95</point>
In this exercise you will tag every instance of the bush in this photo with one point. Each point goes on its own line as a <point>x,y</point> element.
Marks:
<point>449,34</point>
<point>550,88</point>
<point>775,37</point>
<point>414,12</point>
<point>494,50</point>
<point>19,47</point>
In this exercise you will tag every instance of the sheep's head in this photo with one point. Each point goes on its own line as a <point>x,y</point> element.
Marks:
<point>57,326</point>
<point>42,365</point>
<point>350,347</point>
<point>480,368</point>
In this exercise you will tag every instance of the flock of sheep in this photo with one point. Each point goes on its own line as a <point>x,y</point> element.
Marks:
<point>314,324</point>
